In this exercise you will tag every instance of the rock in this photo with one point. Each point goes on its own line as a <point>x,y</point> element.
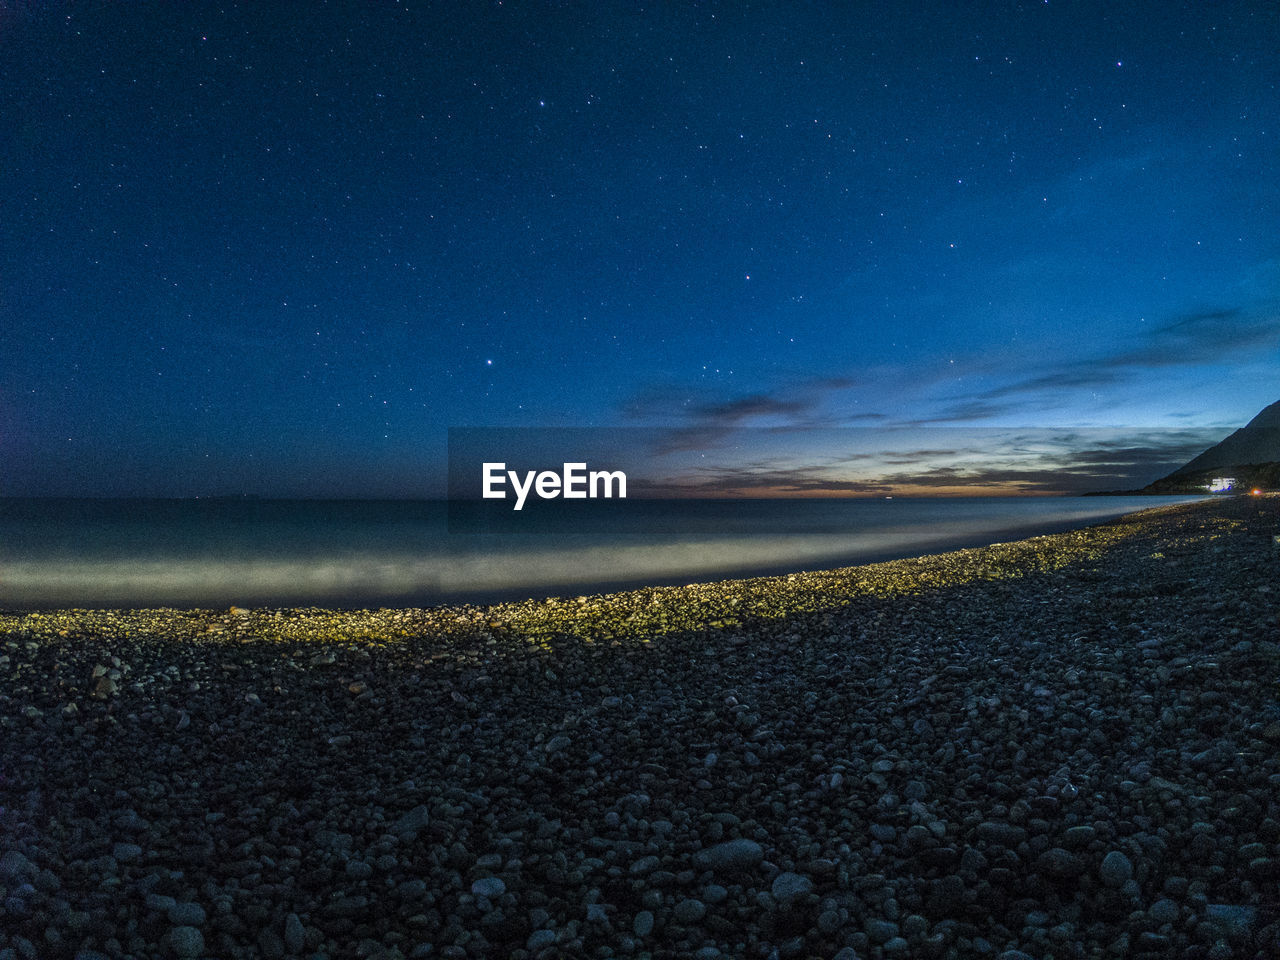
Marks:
<point>1060,864</point>
<point>714,893</point>
<point>540,940</point>
<point>412,823</point>
<point>489,887</point>
<point>1164,911</point>
<point>270,946</point>
<point>1264,869</point>
<point>1116,869</point>
<point>14,867</point>
<point>828,922</point>
<point>790,887</point>
<point>358,870</point>
<point>1005,834</point>
<point>732,856</point>
<point>186,915</point>
<point>689,911</point>
<point>126,852</point>
<point>186,942</point>
<point>1236,921</point>
<point>105,687</point>
<point>1076,838</point>
<point>840,815</point>
<point>880,931</point>
<point>946,897</point>
<point>883,833</point>
<point>294,934</point>
<point>159,903</point>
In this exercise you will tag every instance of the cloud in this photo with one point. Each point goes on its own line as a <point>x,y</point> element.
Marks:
<point>991,461</point>
<point>732,412</point>
<point>1199,339</point>
<point>1204,337</point>
<point>965,411</point>
<point>706,424</point>
<point>757,481</point>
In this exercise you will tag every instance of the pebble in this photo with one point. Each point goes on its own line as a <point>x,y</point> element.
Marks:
<point>1014,763</point>
<point>1005,834</point>
<point>126,852</point>
<point>1164,911</point>
<point>789,887</point>
<point>880,931</point>
<point>186,941</point>
<point>883,833</point>
<point>645,865</point>
<point>489,887</point>
<point>732,856</point>
<point>713,893</point>
<point>1116,869</point>
<point>1235,920</point>
<point>413,822</point>
<point>1078,837</point>
<point>186,914</point>
<point>539,940</point>
<point>689,911</point>
<point>1060,863</point>
<point>358,870</point>
<point>294,934</point>
<point>16,867</point>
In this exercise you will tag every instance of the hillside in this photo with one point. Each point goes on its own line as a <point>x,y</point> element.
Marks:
<point>1250,457</point>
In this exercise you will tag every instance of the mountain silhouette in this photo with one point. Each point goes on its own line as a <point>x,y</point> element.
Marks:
<point>1250,457</point>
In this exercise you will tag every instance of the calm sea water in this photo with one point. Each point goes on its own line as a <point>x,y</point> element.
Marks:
<point>212,553</point>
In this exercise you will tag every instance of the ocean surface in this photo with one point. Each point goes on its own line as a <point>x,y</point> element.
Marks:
<point>214,553</point>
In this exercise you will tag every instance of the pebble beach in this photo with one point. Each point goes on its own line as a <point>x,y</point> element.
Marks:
<point>1062,747</point>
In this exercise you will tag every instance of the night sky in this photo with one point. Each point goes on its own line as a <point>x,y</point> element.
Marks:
<point>279,248</point>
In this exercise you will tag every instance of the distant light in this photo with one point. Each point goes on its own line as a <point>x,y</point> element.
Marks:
<point>488,363</point>
<point>1256,492</point>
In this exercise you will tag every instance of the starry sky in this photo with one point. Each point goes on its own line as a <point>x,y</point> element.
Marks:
<point>282,248</point>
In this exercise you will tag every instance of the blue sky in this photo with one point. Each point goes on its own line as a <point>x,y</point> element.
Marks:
<point>280,249</point>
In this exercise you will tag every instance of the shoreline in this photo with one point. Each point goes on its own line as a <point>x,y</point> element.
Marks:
<point>1066,745</point>
<point>627,563</point>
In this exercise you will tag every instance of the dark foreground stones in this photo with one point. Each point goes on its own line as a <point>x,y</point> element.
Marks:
<point>1064,747</point>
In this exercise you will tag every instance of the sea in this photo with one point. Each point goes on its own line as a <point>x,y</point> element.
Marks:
<point>212,553</point>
